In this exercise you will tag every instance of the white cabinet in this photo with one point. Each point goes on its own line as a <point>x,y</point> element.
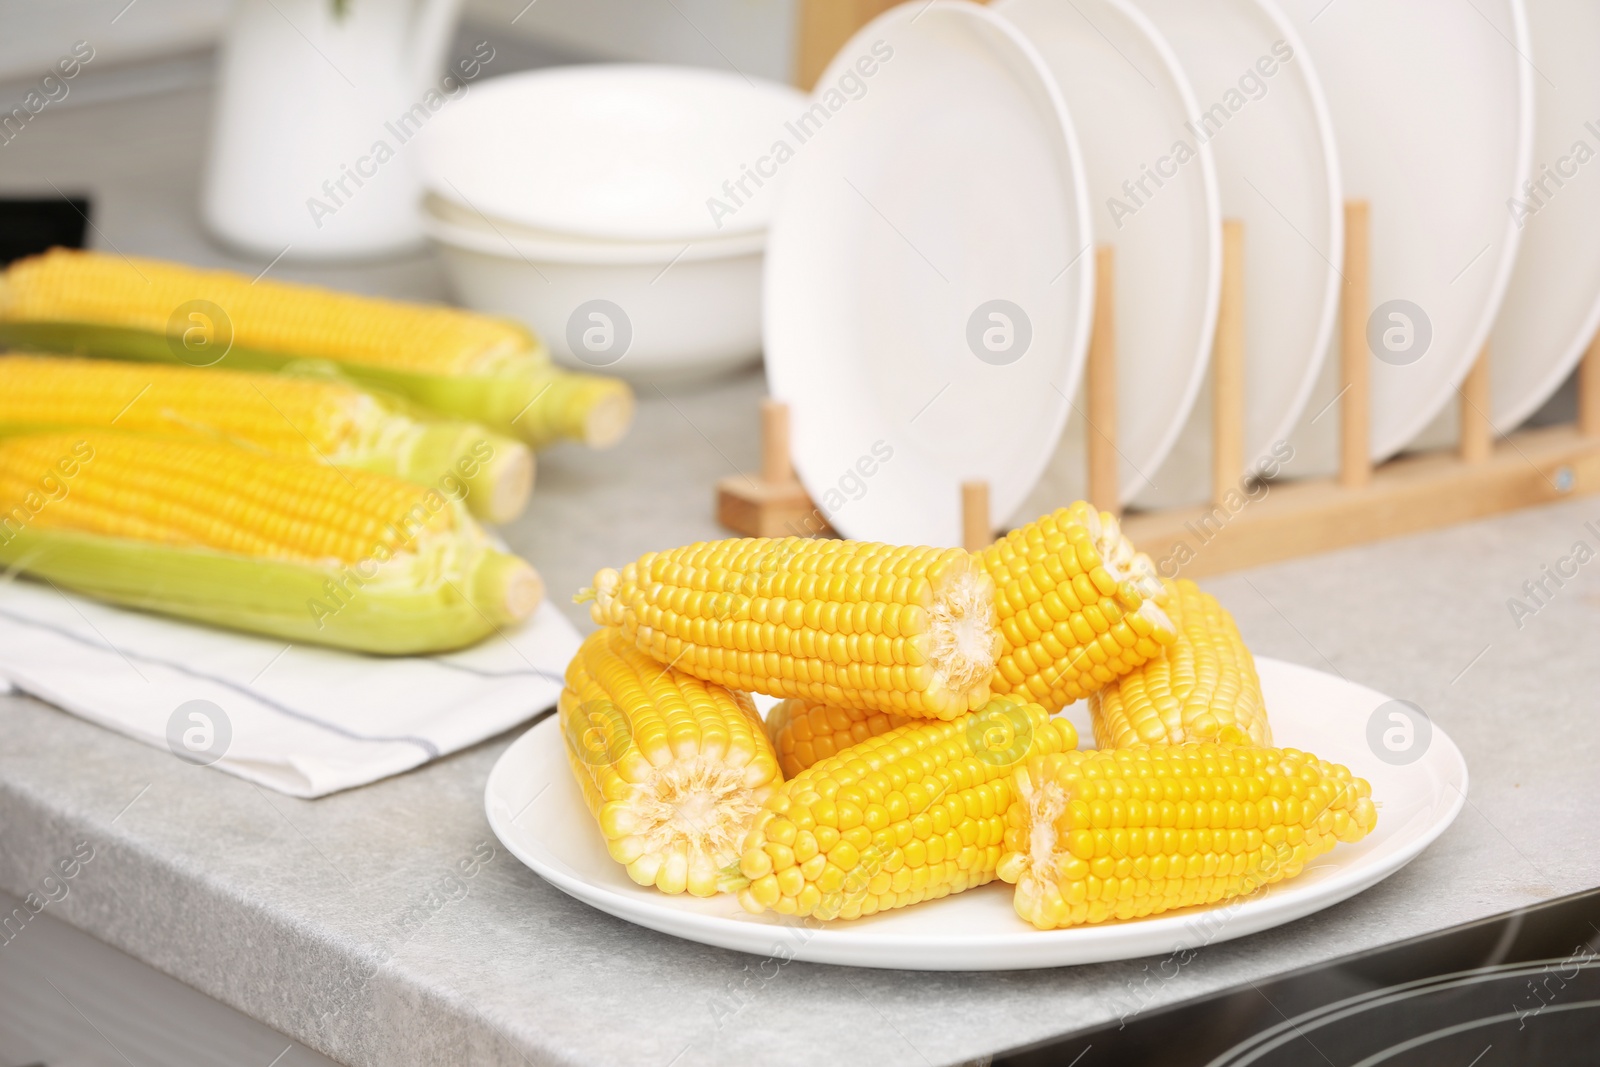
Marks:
<point>68,1000</point>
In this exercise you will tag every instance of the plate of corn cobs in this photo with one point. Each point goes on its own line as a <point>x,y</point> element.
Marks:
<point>917,798</point>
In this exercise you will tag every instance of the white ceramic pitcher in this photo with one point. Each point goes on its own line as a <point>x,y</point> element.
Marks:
<point>306,96</point>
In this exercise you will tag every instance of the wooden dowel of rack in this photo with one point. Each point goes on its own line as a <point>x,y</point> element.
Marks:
<point>1355,365</point>
<point>977,529</point>
<point>1477,432</point>
<point>1589,391</point>
<point>770,502</point>
<point>1227,369</point>
<point>823,28</point>
<point>1104,491</point>
<point>776,468</point>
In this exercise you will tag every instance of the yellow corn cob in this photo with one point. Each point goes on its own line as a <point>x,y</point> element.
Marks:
<point>191,493</point>
<point>672,768</point>
<point>1094,836</point>
<point>294,548</point>
<point>805,732</point>
<point>1077,606</point>
<point>914,814</point>
<point>846,623</point>
<point>1203,687</point>
<point>304,418</point>
<point>269,315</point>
<point>460,363</point>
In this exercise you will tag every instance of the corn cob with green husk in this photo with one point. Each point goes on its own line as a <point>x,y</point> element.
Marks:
<point>304,418</point>
<point>455,362</point>
<point>292,548</point>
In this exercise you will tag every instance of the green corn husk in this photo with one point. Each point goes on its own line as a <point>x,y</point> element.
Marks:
<point>446,598</point>
<point>527,396</point>
<point>493,474</point>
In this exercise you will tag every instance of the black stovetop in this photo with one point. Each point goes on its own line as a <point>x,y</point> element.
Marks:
<point>1521,988</point>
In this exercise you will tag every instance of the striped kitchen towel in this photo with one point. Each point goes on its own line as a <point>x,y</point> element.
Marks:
<point>302,720</point>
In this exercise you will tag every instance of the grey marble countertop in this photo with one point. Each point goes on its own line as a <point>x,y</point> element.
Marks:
<point>337,922</point>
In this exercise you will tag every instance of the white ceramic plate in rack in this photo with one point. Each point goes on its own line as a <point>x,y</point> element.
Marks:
<point>614,151</point>
<point>1129,100</point>
<point>1261,108</point>
<point>1553,305</point>
<point>1432,101</point>
<point>928,279</point>
<point>536,810</point>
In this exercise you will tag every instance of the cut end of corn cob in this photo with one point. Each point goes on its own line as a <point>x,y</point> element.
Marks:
<point>505,485</point>
<point>493,472</point>
<point>608,414</point>
<point>913,814</point>
<point>1103,835</point>
<point>673,769</point>
<point>909,631</point>
<point>961,627</point>
<point>500,490</point>
<point>545,404</point>
<point>1077,605</point>
<point>805,732</point>
<point>507,589</point>
<point>1203,687</point>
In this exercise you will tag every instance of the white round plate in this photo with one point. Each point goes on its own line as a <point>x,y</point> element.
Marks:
<point>1433,104</point>
<point>928,275</point>
<point>1262,111</point>
<point>616,151</point>
<point>1130,100</point>
<point>1553,305</point>
<point>537,812</point>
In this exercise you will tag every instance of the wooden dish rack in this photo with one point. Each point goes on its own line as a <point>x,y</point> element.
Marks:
<point>1362,503</point>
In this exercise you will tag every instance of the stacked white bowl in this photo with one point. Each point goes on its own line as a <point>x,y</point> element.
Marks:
<point>620,211</point>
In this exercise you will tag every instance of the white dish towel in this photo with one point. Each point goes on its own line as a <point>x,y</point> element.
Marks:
<point>302,720</point>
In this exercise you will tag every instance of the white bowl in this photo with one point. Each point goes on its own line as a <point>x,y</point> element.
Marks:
<point>645,311</point>
<point>616,151</point>
<point>582,249</point>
